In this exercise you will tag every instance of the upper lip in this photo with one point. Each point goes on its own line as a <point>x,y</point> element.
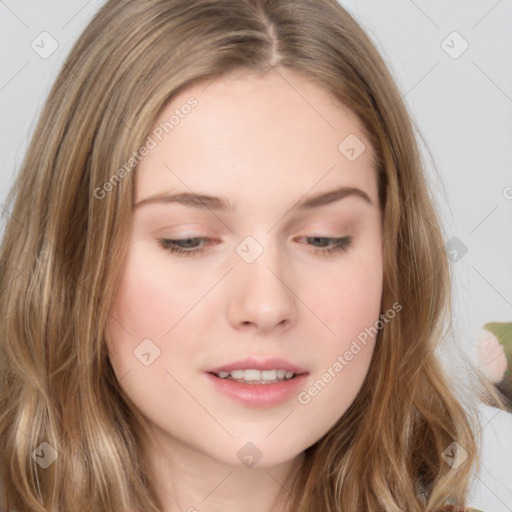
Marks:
<point>255,363</point>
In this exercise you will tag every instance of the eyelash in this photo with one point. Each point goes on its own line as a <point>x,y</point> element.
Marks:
<point>341,245</point>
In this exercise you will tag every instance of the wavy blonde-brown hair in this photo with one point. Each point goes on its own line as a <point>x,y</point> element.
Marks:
<point>65,242</point>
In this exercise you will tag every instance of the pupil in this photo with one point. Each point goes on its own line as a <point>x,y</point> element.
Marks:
<point>187,242</point>
<point>324,240</point>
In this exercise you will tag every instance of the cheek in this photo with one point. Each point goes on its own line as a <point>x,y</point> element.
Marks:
<point>146,316</point>
<point>160,302</point>
<point>153,295</point>
<point>145,307</point>
<point>331,391</point>
<point>350,308</point>
<point>348,297</point>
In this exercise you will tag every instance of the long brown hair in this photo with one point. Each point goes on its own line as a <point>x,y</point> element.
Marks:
<point>66,239</point>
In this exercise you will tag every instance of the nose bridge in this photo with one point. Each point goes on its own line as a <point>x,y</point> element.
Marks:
<point>262,289</point>
<point>263,262</point>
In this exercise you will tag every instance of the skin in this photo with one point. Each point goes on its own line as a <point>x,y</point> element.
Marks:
<point>264,145</point>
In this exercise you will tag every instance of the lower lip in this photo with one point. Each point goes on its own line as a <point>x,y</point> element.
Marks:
<point>259,395</point>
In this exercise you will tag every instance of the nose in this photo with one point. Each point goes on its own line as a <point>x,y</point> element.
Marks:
<point>261,294</point>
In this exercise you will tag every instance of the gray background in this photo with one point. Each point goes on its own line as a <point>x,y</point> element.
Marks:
<point>461,105</point>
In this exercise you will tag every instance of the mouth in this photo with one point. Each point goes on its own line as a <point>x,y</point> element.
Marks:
<point>262,384</point>
<point>254,370</point>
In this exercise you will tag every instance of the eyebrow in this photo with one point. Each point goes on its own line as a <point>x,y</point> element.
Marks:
<point>204,201</point>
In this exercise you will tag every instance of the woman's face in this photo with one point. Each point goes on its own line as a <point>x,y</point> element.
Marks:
<point>255,279</point>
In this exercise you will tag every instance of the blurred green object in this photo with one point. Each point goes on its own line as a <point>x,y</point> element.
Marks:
<point>503,331</point>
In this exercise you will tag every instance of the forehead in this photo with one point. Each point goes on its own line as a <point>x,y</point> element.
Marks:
<point>248,130</point>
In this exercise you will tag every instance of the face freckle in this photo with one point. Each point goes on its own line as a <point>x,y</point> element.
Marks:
<point>204,286</point>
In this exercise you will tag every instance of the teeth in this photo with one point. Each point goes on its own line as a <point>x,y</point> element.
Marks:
<point>252,375</point>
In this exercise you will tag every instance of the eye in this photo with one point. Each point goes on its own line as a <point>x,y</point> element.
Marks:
<point>182,247</point>
<point>337,245</point>
<point>189,246</point>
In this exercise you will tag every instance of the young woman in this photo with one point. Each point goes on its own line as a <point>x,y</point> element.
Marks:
<point>223,282</point>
